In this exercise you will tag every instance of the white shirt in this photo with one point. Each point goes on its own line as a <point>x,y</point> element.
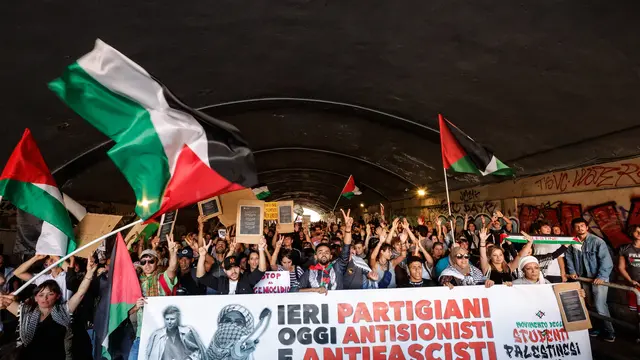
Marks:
<point>232,287</point>
<point>61,279</point>
<point>553,268</point>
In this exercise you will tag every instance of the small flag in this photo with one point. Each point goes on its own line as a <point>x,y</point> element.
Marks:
<point>171,155</point>
<point>554,240</point>
<point>28,184</point>
<point>261,191</point>
<point>461,154</point>
<point>123,290</point>
<point>350,189</point>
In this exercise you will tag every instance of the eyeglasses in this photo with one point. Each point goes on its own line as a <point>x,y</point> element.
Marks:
<point>460,256</point>
<point>150,262</point>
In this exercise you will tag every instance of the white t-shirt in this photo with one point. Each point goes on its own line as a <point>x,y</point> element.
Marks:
<point>553,268</point>
<point>61,279</point>
<point>232,287</point>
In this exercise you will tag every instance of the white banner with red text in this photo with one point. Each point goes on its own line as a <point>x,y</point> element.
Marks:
<point>473,322</point>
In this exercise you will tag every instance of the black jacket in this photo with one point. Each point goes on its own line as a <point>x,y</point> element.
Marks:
<point>221,284</point>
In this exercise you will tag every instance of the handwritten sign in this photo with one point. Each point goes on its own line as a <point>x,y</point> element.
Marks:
<point>250,220</point>
<point>271,211</point>
<point>273,282</point>
<point>167,223</point>
<point>210,208</point>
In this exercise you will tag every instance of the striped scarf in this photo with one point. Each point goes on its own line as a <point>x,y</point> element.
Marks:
<point>29,318</point>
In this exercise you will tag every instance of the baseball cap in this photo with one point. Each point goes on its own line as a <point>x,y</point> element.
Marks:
<point>149,252</point>
<point>230,262</point>
<point>186,252</point>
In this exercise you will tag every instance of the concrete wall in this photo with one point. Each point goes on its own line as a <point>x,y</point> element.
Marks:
<point>607,195</point>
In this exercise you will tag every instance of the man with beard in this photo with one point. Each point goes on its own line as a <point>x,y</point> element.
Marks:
<point>232,283</point>
<point>327,275</point>
<point>174,341</point>
<point>236,323</point>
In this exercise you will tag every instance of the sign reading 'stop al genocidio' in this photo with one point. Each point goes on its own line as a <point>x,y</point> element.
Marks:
<point>519,322</point>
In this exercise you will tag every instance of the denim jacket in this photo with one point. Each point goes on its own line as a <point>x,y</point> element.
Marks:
<point>592,261</point>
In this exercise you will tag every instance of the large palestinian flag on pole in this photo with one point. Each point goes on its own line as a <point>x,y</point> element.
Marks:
<point>171,155</point>
<point>122,292</point>
<point>350,189</point>
<point>28,184</point>
<point>461,154</point>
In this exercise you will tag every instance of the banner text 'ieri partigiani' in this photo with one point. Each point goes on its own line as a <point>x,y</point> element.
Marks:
<point>421,330</point>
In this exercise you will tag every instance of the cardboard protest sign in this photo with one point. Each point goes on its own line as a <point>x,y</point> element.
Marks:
<point>306,221</point>
<point>273,282</point>
<point>271,211</point>
<point>250,218</point>
<point>167,223</point>
<point>210,208</point>
<point>285,216</point>
<point>230,205</point>
<point>92,227</point>
<point>572,306</point>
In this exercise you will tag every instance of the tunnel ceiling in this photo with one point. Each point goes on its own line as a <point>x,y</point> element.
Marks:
<point>325,89</point>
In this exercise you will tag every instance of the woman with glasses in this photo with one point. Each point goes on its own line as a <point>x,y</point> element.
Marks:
<point>460,272</point>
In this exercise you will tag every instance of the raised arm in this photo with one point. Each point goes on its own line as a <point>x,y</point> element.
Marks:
<point>348,226</point>
<point>276,251</point>
<point>484,261</point>
<point>466,221</point>
<point>202,251</point>
<point>425,253</point>
<point>173,258</point>
<point>84,286</point>
<point>22,272</point>
<point>201,222</point>
<point>262,264</point>
<point>513,265</point>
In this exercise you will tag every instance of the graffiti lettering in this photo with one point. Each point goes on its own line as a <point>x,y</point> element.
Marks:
<point>469,195</point>
<point>593,176</point>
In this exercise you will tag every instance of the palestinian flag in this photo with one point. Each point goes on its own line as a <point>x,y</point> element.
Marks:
<point>554,240</point>
<point>171,155</point>
<point>122,292</point>
<point>28,184</point>
<point>461,154</point>
<point>261,191</point>
<point>350,189</point>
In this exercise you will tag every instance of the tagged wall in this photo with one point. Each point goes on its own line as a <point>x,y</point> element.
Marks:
<point>606,195</point>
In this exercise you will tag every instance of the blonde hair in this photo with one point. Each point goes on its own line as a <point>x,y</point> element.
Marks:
<point>505,266</point>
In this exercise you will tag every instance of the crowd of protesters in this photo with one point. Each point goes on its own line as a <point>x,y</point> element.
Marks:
<point>322,257</point>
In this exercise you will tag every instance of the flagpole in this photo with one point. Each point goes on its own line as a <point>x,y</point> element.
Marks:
<point>73,253</point>
<point>334,206</point>
<point>446,186</point>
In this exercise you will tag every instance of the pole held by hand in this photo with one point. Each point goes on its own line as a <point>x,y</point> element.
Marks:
<point>73,253</point>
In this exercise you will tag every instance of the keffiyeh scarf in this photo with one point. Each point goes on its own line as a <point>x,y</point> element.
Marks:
<point>327,275</point>
<point>29,318</point>
<point>475,275</point>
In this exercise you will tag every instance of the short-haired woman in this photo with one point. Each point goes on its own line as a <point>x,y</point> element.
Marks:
<point>44,319</point>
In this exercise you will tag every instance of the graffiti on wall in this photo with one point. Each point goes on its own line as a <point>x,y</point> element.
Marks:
<point>607,220</point>
<point>476,211</point>
<point>599,176</point>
